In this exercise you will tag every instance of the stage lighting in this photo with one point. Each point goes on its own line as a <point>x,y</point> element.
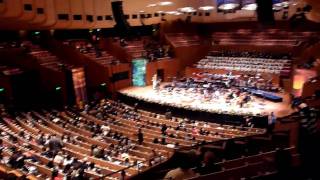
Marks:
<point>58,88</point>
<point>1,90</point>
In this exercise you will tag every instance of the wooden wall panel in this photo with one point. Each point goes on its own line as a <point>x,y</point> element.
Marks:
<point>62,7</point>
<point>309,88</point>
<point>170,67</point>
<point>40,18</point>
<point>77,8</point>
<point>89,9</point>
<point>13,9</point>
<point>122,83</point>
<point>187,56</point>
<point>50,14</point>
<point>103,8</point>
<point>3,7</point>
<point>28,15</point>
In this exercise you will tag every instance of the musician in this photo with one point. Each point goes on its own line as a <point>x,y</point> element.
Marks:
<point>247,98</point>
<point>154,81</point>
<point>231,95</point>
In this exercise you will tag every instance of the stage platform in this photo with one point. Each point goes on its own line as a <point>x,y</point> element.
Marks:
<point>188,101</point>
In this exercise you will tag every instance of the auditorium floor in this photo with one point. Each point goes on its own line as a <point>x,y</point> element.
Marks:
<point>190,101</point>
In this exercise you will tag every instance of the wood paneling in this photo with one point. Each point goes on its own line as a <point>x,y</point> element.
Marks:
<point>62,7</point>
<point>50,14</point>
<point>77,8</point>
<point>13,9</point>
<point>26,14</point>
<point>39,18</point>
<point>170,67</point>
<point>113,69</point>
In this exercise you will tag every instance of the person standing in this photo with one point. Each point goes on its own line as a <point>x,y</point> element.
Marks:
<point>140,137</point>
<point>271,122</point>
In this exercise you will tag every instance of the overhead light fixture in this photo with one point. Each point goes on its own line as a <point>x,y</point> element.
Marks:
<point>228,4</point>
<point>165,3</point>
<point>187,9</point>
<point>141,11</point>
<point>173,13</point>
<point>249,5</point>
<point>278,4</point>
<point>151,5</point>
<point>206,8</point>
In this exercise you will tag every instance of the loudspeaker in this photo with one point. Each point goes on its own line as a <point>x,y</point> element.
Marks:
<point>122,25</point>
<point>265,11</point>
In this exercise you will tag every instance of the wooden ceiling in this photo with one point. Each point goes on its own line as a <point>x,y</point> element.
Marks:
<point>91,14</point>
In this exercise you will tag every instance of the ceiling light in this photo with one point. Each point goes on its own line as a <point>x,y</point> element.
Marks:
<point>187,9</point>
<point>276,8</point>
<point>206,8</point>
<point>173,12</point>
<point>228,6</point>
<point>165,3</point>
<point>281,3</point>
<point>250,7</point>
<point>152,5</point>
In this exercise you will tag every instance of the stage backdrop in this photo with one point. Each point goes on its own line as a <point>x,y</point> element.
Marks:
<point>139,72</point>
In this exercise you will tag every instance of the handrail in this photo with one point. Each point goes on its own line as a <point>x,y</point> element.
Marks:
<point>131,166</point>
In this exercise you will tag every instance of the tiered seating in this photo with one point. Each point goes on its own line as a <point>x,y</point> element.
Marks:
<point>109,144</point>
<point>269,37</point>
<point>249,64</point>
<point>9,44</point>
<point>183,39</point>
<point>180,128</point>
<point>135,48</point>
<point>77,143</point>
<point>250,166</point>
<point>85,47</point>
<point>45,58</point>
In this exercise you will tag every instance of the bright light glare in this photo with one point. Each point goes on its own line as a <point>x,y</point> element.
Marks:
<point>152,5</point>
<point>206,8</point>
<point>250,7</point>
<point>173,13</point>
<point>187,9</point>
<point>165,3</point>
<point>228,6</point>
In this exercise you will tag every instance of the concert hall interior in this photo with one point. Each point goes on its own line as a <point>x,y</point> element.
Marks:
<point>160,89</point>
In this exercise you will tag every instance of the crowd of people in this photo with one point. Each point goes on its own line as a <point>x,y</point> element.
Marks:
<point>246,64</point>
<point>225,93</point>
<point>251,54</point>
<point>92,51</point>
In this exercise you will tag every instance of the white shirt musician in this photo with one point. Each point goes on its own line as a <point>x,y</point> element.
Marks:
<point>154,81</point>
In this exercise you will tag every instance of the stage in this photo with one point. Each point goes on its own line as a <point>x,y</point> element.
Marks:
<point>190,101</point>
